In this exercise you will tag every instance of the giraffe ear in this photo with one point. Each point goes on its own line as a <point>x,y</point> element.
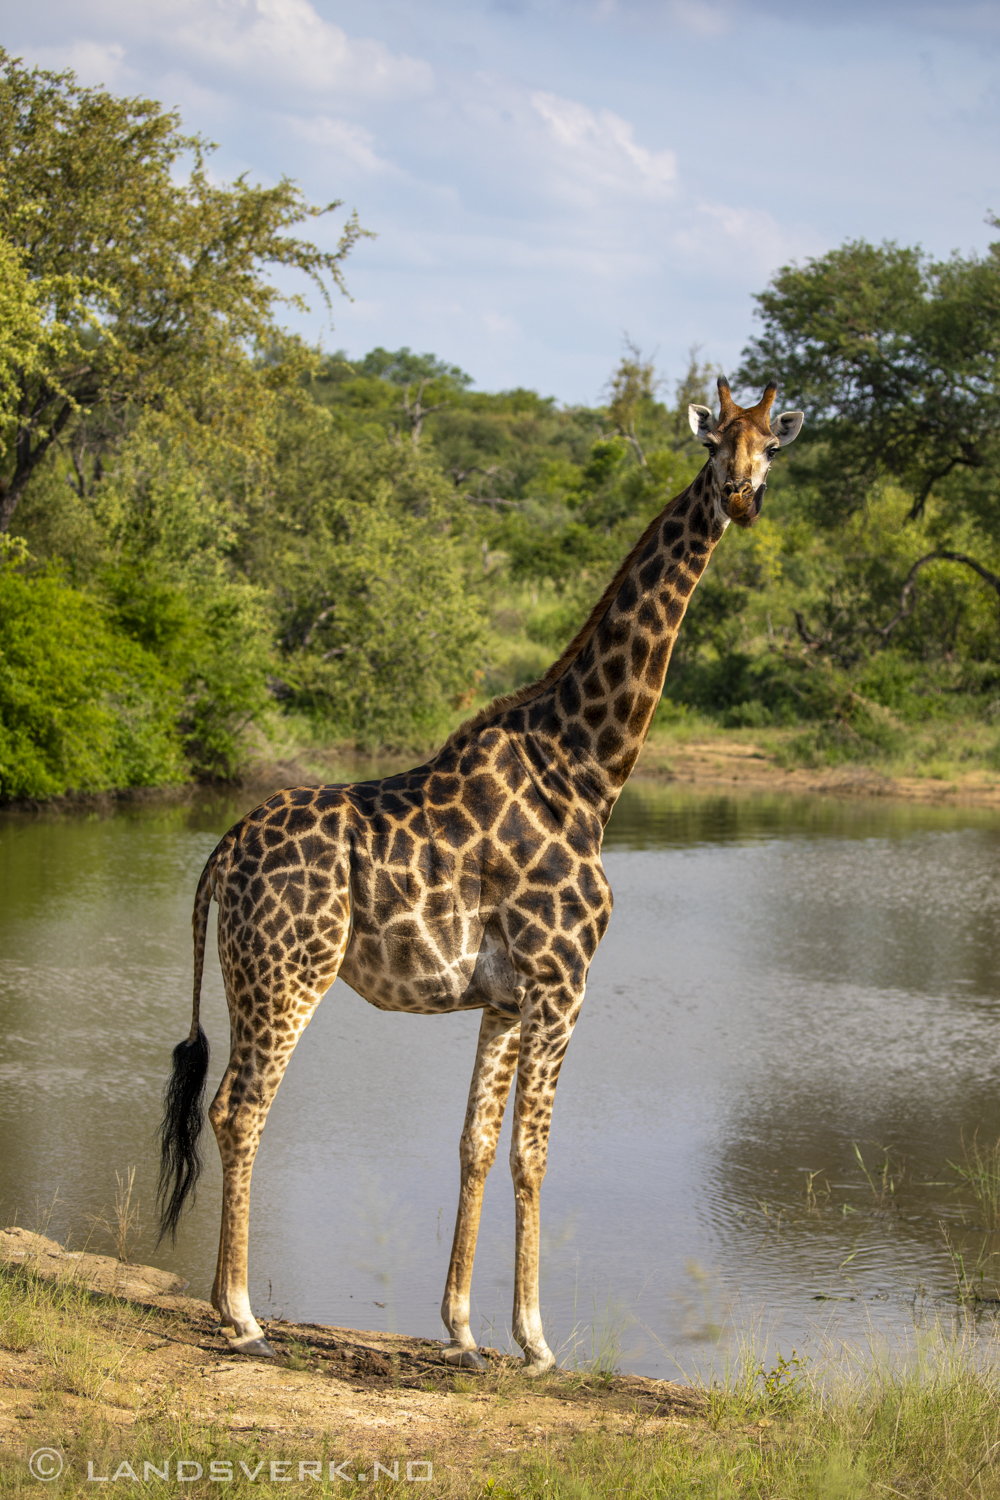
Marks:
<point>787,427</point>
<point>702,422</point>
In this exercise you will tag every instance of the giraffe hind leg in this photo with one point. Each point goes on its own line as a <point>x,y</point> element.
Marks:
<point>540,1058</point>
<point>267,1016</point>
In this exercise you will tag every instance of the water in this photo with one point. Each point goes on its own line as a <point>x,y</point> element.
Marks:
<point>785,983</point>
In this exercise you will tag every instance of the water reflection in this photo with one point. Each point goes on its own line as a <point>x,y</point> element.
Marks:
<point>786,983</point>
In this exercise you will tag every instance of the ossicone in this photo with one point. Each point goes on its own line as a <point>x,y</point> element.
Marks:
<point>761,412</point>
<point>727,406</point>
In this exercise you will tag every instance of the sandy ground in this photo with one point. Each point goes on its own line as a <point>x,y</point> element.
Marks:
<point>746,768</point>
<point>367,1393</point>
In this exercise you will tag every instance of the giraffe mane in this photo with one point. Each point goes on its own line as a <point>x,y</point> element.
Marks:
<point>532,690</point>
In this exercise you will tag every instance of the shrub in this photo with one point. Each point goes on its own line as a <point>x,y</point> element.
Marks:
<point>211,639</point>
<point>82,708</point>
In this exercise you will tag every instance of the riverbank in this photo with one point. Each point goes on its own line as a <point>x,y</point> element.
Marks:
<point>749,766</point>
<point>110,1375</point>
<point>709,760</point>
<point>108,1364</point>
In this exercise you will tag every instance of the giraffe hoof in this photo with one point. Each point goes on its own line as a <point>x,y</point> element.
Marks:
<point>465,1359</point>
<point>260,1347</point>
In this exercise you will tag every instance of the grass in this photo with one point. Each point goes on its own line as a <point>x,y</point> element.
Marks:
<point>80,1344</point>
<point>976,1266</point>
<point>882,1178</point>
<point>928,1426</point>
<point>837,1422</point>
<point>123,1225</point>
<point>980,1174</point>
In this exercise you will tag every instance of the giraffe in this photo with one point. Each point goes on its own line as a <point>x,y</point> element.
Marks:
<point>473,882</point>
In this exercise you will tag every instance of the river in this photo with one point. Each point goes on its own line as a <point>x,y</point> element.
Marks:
<point>791,1027</point>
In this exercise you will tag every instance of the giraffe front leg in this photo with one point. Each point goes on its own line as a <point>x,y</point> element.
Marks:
<point>546,1027</point>
<point>496,1059</point>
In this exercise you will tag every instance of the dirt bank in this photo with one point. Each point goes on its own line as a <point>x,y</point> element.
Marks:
<point>158,1370</point>
<point>745,767</point>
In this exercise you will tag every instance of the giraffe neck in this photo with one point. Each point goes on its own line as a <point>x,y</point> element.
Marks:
<point>596,715</point>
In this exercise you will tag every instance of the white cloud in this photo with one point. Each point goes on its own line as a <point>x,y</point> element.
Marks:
<point>93,63</point>
<point>600,150</point>
<point>350,143</point>
<point>498,324</point>
<point>712,232</point>
<point>701,18</point>
<point>287,42</point>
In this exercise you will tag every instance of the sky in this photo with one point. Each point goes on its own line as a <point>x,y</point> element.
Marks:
<point>545,177</point>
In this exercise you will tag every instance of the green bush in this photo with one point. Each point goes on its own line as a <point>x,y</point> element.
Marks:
<point>784,688</point>
<point>212,641</point>
<point>386,660</point>
<point>82,708</point>
<point>380,636</point>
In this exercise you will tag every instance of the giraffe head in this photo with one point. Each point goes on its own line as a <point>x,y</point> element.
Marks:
<point>740,447</point>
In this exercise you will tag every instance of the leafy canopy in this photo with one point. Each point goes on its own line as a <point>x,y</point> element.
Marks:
<point>895,359</point>
<point>150,287</point>
<point>379,635</point>
<point>403,367</point>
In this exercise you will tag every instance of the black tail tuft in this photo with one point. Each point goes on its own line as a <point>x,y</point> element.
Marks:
<point>183,1117</point>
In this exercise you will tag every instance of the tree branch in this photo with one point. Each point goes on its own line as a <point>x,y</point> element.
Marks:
<point>906,598</point>
<point>28,459</point>
<point>416,413</point>
<point>917,508</point>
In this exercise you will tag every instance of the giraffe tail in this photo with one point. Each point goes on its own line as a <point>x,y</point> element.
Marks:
<point>183,1097</point>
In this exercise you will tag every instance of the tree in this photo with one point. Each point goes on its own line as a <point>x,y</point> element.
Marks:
<point>403,367</point>
<point>150,289</point>
<point>629,389</point>
<point>895,359</point>
<point>406,369</point>
<point>22,329</point>
<point>378,632</point>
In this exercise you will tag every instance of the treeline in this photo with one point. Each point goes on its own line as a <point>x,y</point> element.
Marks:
<point>214,539</point>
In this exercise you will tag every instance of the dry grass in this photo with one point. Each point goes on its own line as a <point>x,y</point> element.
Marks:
<point>839,1423</point>
<point>123,1225</point>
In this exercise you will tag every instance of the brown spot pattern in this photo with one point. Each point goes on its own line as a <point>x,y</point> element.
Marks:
<point>471,882</point>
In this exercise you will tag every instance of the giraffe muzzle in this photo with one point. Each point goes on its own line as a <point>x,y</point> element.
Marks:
<point>743,503</point>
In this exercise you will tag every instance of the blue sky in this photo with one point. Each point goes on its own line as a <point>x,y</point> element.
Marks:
<point>545,175</point>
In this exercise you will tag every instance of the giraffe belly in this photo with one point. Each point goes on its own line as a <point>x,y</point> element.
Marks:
<point>399,977</point>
